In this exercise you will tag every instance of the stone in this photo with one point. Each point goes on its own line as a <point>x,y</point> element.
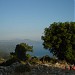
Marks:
<point>36,70</point>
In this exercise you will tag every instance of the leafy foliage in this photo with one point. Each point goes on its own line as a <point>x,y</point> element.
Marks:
<point>28,56</point>
<point>20,51</point>
<point>59,39</point>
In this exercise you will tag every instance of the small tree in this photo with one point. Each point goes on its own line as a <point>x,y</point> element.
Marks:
<point>21,49</point>
<point>59,39</point>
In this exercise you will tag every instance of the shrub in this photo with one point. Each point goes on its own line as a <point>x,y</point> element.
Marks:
<point>45,58</point>
<point>34,60</point>
<point>9,62</point>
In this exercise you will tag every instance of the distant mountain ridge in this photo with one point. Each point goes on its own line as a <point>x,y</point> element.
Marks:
<point>8,46</point>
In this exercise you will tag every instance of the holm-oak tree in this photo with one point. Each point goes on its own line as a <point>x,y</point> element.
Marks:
<point>59,39</point>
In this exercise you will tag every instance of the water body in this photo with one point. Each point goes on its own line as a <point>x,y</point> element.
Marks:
<point>38,50</point>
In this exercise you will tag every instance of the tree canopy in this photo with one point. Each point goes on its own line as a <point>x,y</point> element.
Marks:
<point>59,39</point>
<point>21,49</point>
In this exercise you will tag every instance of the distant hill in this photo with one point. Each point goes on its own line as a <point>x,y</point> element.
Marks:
<point>8,46</point>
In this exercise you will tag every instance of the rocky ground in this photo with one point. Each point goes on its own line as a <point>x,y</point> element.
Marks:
<point>38,69</point>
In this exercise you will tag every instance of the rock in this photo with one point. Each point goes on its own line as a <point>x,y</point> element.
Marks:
<point>2,72</point>
<point>44,69</point>
<point>46,65</point>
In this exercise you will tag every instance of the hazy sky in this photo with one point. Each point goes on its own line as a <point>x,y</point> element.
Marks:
<point>26,19</point>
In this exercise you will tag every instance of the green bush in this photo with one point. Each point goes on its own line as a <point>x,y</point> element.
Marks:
<point>34,60</point>
<point>9,62</point>
<point>45,58</point>
<point>28,56</point>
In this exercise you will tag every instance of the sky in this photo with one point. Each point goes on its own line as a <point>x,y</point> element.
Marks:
<point>27,19</point>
